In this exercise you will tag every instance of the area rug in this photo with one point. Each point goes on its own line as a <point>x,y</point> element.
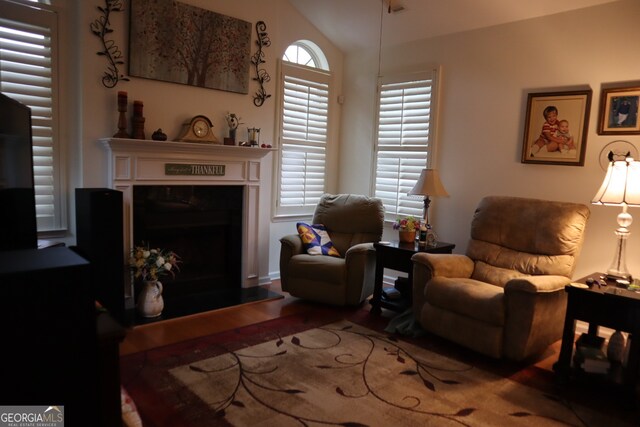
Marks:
<point>307,372</point>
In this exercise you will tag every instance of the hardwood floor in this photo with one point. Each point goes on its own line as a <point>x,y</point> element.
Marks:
<point>145,337</point>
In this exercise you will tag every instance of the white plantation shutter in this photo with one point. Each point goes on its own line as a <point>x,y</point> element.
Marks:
<point>404,142</point>
<point>304,123</point>
<point>27,37</point>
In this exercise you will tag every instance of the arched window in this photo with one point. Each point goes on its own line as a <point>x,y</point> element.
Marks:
<point>307,53</point>
<point>304,123</point>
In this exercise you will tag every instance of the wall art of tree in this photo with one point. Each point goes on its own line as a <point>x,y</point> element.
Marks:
<point>176,42</point>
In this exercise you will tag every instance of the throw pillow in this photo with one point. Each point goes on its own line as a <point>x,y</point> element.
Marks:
<point>316,240</point>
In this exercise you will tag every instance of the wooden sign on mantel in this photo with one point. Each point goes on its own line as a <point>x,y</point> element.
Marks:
<point>193,169</point>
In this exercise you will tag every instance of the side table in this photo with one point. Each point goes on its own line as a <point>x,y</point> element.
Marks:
<point>397,256</point>
<point>607,306</point>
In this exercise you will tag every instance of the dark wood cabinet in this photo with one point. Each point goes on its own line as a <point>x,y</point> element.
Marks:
<point>47,314</point>
<point>57,350</point>
<point>608,306</point>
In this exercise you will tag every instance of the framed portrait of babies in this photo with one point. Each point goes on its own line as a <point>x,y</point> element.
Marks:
<point>555,130</point>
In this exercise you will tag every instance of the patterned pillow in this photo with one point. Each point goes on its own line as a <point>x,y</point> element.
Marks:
<point>316,240</point>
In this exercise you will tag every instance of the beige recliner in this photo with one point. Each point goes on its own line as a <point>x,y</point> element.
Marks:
<point>504,298</point>
<point>353,223</point>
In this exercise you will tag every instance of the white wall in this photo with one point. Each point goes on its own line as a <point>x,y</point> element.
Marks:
<point>486,76</point>
<point>168,105</point>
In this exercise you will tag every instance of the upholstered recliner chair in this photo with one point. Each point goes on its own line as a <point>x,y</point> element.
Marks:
<point>504,298</point>
<point>353,223</point>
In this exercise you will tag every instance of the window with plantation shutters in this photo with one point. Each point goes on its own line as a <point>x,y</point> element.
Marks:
<point>27,43</point>
<point>404,142</point>
<point>304,124</point>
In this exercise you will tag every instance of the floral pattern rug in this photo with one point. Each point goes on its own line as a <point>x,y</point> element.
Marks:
<point>311,372</point>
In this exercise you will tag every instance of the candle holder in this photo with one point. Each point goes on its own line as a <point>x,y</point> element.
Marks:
<point>254,136</point>
<point>122,119</point>
<point>137,121</point>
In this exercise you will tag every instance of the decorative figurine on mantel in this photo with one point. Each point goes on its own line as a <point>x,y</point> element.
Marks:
<point>233,121</point>
<point>159,135</point>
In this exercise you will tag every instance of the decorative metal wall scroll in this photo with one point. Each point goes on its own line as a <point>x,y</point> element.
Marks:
<point>258,58</point>
<point>101,27</point>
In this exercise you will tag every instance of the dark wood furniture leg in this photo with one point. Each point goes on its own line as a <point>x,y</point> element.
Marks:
<point>563,366</point>
<point>377,286</point>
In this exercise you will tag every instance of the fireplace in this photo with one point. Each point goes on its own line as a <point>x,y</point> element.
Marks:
<point>202,224</point>
<point>178,196</point>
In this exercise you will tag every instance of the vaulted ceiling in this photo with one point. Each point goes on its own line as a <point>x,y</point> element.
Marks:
<point>355,24</point>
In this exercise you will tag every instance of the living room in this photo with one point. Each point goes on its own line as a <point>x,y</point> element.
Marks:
<point>486,75</point>
<point>485,69</point>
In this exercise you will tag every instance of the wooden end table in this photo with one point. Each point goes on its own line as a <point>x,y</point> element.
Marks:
<point>607,306</point>
<point>397,256</point>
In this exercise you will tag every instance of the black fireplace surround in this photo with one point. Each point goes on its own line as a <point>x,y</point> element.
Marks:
<point>203,225</point>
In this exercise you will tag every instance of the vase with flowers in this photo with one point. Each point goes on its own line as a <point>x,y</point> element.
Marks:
<point>149,265</point>
<point>407,228</point>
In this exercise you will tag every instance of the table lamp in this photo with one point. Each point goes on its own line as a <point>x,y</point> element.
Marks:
<point>428,185</point>
<point>621,187</point>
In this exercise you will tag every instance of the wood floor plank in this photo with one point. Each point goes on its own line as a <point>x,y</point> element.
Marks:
<point>146,337</point>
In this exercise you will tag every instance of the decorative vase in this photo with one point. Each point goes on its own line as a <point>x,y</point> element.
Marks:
<point>407,236</point>
<point>432,238</point>
<point>150,302</point>
<point>615,348</point>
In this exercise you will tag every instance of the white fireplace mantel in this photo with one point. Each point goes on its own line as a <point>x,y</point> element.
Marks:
<point>189,148</point>
<point>142,162</point>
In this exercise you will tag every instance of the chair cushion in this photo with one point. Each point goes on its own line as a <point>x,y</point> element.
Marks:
<point>495,275</point>
<point>351,219</point>
<point>311,268</point>
<point>316,240</point>
<point>529,235</point>
<point>468,297</point>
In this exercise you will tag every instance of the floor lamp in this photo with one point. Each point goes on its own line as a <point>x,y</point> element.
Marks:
<point>621,187</point>
<point>428,185</point>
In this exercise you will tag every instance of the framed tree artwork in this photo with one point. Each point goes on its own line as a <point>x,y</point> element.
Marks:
<point>555,130</point>
<point>619,111</point>
<point>180,43</point>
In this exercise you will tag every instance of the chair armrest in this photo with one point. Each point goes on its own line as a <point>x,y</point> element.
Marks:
<point>359,254</point>
<point>535,314</point>
<point>292,243</point>
<point>360,267</point>
<point>427,266</point>
<point>359,248</point>
<point>537,284</point>
<point>447,265</point>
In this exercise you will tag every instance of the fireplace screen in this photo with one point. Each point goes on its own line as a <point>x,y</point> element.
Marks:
<point>202,224</point>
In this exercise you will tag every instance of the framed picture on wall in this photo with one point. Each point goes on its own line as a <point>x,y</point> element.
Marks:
<point>175,42</point>
<point>555,130</point>
<point>619,111</point>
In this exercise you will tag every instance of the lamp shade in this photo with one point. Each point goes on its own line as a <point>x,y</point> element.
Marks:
<point>621,185</point>
<point>428,184</point>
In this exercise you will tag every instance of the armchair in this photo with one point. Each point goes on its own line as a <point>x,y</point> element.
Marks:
<point>353,222</point>
<point>505,297</point>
